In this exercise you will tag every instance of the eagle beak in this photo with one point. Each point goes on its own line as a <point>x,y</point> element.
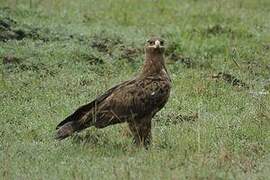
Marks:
<point>157,44</point>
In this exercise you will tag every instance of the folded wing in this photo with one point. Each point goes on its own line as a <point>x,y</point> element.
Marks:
<point>127,101</point>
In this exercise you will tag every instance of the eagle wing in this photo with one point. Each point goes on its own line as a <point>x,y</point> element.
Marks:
<point>83,110</point>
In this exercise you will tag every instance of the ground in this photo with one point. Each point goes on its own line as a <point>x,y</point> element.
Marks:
<point>57,55</point>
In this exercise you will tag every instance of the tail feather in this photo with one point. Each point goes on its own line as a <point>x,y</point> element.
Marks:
<point>73,122</point>
<point>77,115</point>
<point>65,131</point>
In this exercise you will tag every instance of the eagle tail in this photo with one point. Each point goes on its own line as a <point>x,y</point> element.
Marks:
<point>73,122</point>
<point>65,131</point>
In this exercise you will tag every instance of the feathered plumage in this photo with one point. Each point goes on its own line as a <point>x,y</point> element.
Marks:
<point>135,101</point>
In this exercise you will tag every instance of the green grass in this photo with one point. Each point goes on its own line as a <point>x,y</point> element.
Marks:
<point>74,50</point>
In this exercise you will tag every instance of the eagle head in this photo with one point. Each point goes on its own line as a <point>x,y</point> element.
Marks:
<point>155,45</point>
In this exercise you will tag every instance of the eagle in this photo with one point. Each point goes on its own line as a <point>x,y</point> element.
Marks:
<point>135,101</point>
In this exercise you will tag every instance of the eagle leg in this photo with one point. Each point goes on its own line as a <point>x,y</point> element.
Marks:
<point>141,131</point>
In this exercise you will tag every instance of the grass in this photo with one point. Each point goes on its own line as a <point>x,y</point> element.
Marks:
<point>67,52</point>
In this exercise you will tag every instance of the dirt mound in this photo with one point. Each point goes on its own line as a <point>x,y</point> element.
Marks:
<point>234,81</point>
<point>8,30</point>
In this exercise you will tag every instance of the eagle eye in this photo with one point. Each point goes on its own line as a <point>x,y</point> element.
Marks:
<point>161,43</point>
<point>151,42</point>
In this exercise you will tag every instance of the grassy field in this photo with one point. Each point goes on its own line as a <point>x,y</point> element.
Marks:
<point>57,55</point>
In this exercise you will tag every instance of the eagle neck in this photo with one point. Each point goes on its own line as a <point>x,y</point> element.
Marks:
<point>154,64</point>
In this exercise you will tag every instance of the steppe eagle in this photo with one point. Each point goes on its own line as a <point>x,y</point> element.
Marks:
<point>134,101</point>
